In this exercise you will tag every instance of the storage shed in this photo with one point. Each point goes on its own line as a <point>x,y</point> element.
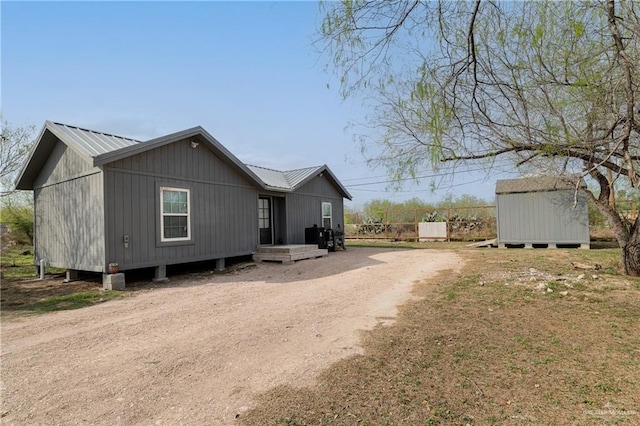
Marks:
<point>541,211</point>
<point>101,199</point>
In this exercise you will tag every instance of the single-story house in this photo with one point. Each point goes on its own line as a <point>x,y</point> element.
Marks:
<point>102,199</point>
<point>543,210</point>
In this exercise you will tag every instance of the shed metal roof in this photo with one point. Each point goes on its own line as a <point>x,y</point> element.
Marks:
<point>537,184</point>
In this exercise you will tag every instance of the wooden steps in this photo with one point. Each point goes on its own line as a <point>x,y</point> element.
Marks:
<point>288,254</point>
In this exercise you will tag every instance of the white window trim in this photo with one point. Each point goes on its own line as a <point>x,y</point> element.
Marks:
<point>330,217</point>
<point>163,214</point>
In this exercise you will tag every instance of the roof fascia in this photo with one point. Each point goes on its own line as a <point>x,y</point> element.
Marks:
<point>224,151</point>
<point>128,151</point>
<point>40,154</point>
<point>158,142</point>
<point>19,183</point>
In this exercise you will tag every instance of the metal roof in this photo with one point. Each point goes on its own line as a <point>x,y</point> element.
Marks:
<point>300,176</point>
<point>291,180</point>
<point>101,148</point>
<point>271,178</point>
<point>91,142</point>
<point>537,184</point>
<point>287,180</point>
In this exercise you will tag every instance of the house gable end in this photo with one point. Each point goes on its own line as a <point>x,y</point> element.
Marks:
<point>39,164</point>
<point>324,172</point>
<point>200,139</point>
<point>320,186</point>
<point>180,160</point>
<point>63,164</point>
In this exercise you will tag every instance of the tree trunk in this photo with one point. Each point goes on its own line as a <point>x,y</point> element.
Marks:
<point>628,237</point>
<point>631,251</point>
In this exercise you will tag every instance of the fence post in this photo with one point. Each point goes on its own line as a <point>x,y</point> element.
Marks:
<point>449,224</point>
<point>386,224</point>
<point>415,225</point>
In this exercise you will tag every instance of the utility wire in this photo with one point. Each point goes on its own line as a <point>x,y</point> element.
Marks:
<point>408,179</point>
<point>417,190</point>
<point>495,164</point>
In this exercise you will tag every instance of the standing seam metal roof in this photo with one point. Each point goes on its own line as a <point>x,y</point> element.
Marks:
<point>296,177</point>
<point>287,180</point>
<point>92,142</point>
<point>270,177</point>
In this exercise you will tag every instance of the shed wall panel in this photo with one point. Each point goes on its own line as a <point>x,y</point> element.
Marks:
<point>69,224</point>
<point>542,218</point>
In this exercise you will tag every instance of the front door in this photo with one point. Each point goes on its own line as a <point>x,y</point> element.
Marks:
<point>264,220</point>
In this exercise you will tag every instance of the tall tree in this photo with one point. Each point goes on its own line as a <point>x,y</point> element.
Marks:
<point>546,86</point>
<point>15,143</point>
<point>16,207</point>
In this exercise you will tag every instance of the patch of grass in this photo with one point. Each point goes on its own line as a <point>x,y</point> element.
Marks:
<point>450,295</point>
<point>607,387</point>
<point>524,341</point>
<point>487,354</point>
<point>71,301</point>
<point>18,262</point>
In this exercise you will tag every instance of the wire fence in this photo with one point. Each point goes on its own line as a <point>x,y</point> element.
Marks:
<point>475,223</point>
<point>445,224</point>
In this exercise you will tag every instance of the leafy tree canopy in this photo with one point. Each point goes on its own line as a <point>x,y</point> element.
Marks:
<point>544,87</point>
<point>15,143</point>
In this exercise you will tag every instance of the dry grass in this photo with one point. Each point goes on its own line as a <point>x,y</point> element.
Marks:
<point>492,345</point>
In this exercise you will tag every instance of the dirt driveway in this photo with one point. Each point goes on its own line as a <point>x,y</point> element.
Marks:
<point>196,351</point>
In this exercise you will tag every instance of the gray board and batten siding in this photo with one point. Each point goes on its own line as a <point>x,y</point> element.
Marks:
<point>304,207</point>
<point>69,225</point>
<point>97,198</point>
<point>306,190</point>
<point>222,203</point>
<point>541,210</point>
<point>69,212</point>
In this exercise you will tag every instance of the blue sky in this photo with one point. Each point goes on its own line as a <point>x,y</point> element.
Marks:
<point>245,71</point>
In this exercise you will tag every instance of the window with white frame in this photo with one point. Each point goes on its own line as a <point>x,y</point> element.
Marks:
<point>326,215</point>
<point>175,219</point>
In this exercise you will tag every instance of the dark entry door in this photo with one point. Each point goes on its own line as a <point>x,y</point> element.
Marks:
<point>264,220</point>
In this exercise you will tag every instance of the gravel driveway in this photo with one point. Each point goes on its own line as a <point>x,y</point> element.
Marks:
<point>197,351</point>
